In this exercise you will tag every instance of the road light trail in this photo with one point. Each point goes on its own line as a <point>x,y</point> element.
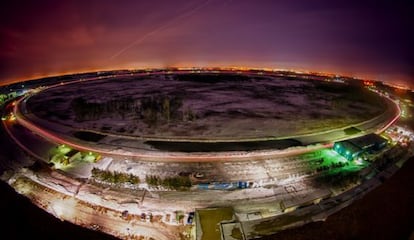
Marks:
<point>26,149</point>
<point>394,119</point>
<point>176,157</point>
<point>166,156</point>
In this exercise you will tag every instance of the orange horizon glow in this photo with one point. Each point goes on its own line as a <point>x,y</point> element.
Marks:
<point>243,67</point>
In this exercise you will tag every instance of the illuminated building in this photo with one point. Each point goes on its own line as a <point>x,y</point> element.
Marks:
<point>352,148</point>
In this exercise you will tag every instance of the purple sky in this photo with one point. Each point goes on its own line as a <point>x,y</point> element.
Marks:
<point>369,39</point>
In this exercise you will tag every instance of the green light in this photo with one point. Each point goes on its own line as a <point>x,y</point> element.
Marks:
<point>64,149</point>
<point>331,153</point>
<point>89,158</point>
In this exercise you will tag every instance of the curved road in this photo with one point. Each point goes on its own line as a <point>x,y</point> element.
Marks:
<point>326,138</point>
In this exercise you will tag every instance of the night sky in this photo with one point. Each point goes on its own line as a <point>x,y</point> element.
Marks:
<point>365,39</point>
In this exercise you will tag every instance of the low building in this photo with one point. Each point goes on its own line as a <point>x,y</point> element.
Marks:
<point>354,147</point>
<point>347,149</point>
